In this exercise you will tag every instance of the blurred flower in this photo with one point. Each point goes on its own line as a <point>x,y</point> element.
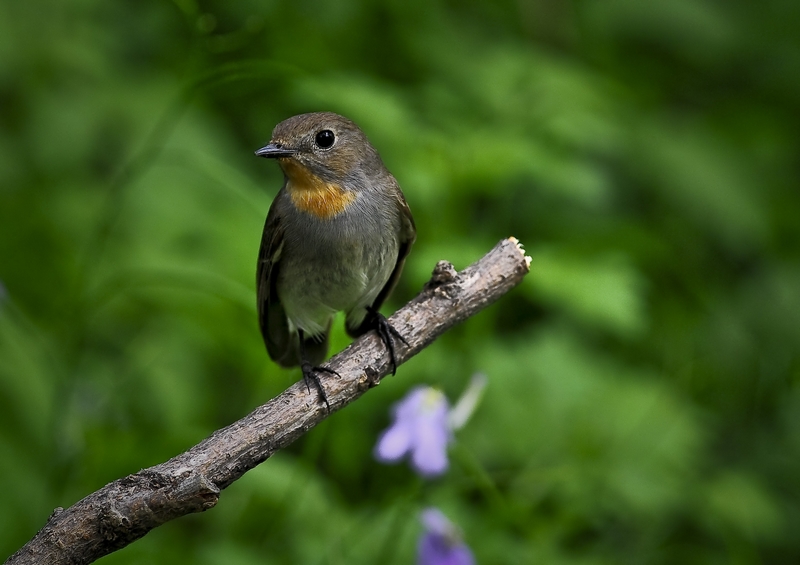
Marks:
<point>421,429</point>
<point>441,543</point>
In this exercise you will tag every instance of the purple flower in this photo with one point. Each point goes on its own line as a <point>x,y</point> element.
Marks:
<point>441,543</point>
<point>420,429</point>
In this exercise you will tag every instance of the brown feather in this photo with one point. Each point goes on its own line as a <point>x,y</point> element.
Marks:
<point>281,344</point>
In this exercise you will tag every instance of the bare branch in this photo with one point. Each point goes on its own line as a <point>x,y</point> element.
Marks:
<point>128,508</point>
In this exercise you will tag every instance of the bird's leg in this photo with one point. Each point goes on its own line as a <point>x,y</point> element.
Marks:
<point>310,372</point>
<point>387,333</point>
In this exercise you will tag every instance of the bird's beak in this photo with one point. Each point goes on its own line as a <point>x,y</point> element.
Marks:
<point>275,151</point>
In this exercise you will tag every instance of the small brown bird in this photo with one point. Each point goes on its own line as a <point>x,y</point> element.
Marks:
<point>336,237</point>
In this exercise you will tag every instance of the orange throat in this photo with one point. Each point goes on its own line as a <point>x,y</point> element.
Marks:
<point>311,194</point>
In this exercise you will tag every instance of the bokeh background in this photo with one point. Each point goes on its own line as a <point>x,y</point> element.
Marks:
<point>643,403</point>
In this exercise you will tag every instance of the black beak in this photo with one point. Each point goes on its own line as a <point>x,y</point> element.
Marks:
<point>275,151</point>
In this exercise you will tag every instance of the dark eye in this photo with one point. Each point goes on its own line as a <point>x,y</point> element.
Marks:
<point>325,138</point>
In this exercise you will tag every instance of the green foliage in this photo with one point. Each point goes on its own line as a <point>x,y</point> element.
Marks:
<point>643,397</point>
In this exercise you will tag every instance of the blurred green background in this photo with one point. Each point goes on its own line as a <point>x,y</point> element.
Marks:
<point>643,402</point>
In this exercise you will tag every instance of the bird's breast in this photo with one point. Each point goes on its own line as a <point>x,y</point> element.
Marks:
<point>312,195</point>
<point>338,264</point>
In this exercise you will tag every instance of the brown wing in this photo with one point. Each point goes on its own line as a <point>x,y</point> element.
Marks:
<point>408,234</point>
<point>281,344</point>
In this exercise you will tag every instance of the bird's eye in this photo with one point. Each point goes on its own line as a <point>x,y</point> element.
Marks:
<point>325,138</point>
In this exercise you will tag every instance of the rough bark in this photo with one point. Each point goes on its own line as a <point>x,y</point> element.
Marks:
<point>126,509</point>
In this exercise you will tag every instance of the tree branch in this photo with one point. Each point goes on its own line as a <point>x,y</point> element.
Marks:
<point>126,509</point>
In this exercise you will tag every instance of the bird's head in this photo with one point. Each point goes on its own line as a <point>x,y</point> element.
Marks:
<point>319,146</point>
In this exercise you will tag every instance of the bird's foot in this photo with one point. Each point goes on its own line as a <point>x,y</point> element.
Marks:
<point>387,333</point>
<point>311,375</point>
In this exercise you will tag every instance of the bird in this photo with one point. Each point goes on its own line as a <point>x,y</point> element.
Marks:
<point>335,239</point>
